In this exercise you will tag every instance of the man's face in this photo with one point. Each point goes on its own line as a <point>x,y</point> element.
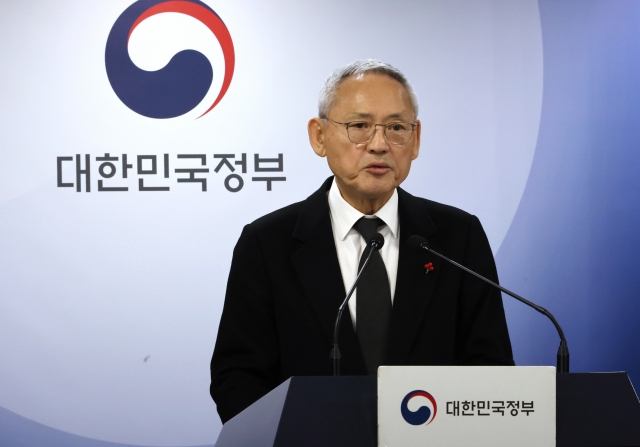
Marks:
<point>372,170</point>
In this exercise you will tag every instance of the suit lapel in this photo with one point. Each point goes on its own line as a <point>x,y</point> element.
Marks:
<point>414,287</point>
<point>316,264</point>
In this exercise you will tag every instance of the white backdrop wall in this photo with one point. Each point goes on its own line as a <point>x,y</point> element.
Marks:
<point>110,301</point>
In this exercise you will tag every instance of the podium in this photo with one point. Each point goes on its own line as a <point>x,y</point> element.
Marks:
<point>592,410</point>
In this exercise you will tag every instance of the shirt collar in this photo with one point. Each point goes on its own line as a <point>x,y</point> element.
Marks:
<point>344,215</point>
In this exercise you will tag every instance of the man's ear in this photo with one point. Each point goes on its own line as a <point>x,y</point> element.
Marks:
<point>316,136</point>
<point>416,147</point>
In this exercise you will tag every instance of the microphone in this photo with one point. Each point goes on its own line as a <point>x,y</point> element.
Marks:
<point>419,243</point>
<point>375,244</point>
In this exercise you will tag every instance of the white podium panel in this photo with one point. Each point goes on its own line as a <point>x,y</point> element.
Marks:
<point>442,406</point>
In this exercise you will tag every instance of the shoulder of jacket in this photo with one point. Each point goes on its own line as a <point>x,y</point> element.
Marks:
<point>283,217</point>
<point>436,210</point>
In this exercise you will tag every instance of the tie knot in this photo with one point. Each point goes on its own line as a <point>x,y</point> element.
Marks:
<point>368,227</point>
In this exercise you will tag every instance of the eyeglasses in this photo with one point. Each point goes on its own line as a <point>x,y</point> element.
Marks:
<point>360,132</point>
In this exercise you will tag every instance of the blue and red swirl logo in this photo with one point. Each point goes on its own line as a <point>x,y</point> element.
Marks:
<point>183,83</point>
<point>424,414</point>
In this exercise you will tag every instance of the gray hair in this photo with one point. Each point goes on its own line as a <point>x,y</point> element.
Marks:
<point>330,87</point>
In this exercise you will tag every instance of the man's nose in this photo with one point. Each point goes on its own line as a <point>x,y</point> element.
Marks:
<point>378,142</point>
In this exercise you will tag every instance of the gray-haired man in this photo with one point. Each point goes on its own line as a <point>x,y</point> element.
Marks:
<point>291,268</point>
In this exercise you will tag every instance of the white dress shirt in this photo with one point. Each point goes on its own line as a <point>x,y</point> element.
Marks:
<point>350,244</point>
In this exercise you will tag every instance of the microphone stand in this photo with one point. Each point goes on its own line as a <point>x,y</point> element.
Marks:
<point>563,351</point>
<point>335,352</point>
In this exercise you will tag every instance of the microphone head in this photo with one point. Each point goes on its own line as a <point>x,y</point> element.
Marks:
<point>377,241</point>
<point>417,242</point>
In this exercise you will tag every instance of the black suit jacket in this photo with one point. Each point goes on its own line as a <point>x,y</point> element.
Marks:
<point>285,287</point>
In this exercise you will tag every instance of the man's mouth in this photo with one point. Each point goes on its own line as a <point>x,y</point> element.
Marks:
<point>377,168</point>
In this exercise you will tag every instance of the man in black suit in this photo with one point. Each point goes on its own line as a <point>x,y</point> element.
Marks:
<point>291,268</point>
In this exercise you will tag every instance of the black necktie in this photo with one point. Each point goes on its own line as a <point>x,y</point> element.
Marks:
<point>373,303</point>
